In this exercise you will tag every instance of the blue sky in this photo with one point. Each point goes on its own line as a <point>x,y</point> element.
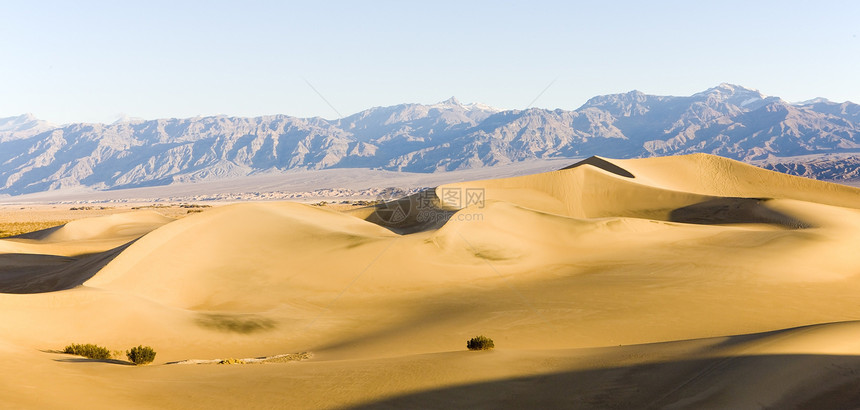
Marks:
<point>94,61</point>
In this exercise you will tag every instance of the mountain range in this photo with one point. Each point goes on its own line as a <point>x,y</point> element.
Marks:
<point>816,138</point>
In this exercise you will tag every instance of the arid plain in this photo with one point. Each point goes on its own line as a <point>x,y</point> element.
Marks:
<point>677,282</point>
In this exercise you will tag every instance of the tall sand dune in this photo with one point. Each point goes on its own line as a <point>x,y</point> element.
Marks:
<point>682,282</point>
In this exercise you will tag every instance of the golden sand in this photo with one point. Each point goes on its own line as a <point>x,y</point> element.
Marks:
<point>697,282</point>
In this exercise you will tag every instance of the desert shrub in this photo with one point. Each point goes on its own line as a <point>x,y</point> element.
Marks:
<point>141,355</point>
<point>8,229</point>
<point>232,361</point>
<point>88,350</point>
<point>480,343</point>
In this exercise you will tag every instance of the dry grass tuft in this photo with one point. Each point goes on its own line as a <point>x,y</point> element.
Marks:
<point>8,229</point>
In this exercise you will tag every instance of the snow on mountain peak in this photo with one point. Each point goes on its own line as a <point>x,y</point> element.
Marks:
<point>817,100</point>
<point>453,102</point>
<point>732,90</point>
<point>22,126</point>
<point>22,122</point>
<point>125,118</point>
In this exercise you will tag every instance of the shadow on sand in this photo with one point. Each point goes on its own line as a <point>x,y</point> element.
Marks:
<point>32,273</point>
<point>415,213</point>
<point>85,360</point>
<point>602,164</point>
<point>768,381</point>
<point>730,210</point>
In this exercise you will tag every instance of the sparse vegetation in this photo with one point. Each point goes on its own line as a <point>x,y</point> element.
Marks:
<point>480,343</point>
<point>8,229</point>
<point>138,355</point>
<point>153,206</point>
<point>90,351</point>
<point>367,203</point>
<point>284,358</point>
<point>232,361</point>
<point>141,355</point>
<point>89,208</point>
<point>194,206</point>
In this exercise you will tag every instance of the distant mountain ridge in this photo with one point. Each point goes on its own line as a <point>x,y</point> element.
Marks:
<point>727,120</point>
<point>22,126</point>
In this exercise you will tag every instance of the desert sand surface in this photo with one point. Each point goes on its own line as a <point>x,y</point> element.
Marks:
<point>304,186</point>
<point>678,282</point>
<point>16,219</point>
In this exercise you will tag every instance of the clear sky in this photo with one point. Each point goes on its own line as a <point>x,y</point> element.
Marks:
<point>70,61</point>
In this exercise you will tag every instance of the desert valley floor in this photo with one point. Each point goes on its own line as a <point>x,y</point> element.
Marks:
<point>678,282</point>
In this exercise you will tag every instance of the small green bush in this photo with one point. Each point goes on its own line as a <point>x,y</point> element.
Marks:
<point>89,351</point>
<point>480,343</point>
<point>141,355</point>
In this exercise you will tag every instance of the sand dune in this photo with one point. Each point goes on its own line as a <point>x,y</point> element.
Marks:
<point>66,256</point>
<point>680,282</point>
<point>85,236</point>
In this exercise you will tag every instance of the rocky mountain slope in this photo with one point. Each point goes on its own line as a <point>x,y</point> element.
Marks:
<point>817,138</point>
<point>22,126</point>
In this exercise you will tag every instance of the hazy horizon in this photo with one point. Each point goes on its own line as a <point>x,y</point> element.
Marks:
<point>479,104</point>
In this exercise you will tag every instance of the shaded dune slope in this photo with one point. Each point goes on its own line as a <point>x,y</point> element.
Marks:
<point>64,257</point>
<point>33,273</point>
<point>603,164</point>
<point>793,368</point>
<point>418,212</point>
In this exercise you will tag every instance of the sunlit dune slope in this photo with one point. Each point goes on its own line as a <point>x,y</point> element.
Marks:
<point>534,240</point>
<point>713,175</point>
<point>681,274</point>
<point>649,188</point>
<point>234,256</point>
